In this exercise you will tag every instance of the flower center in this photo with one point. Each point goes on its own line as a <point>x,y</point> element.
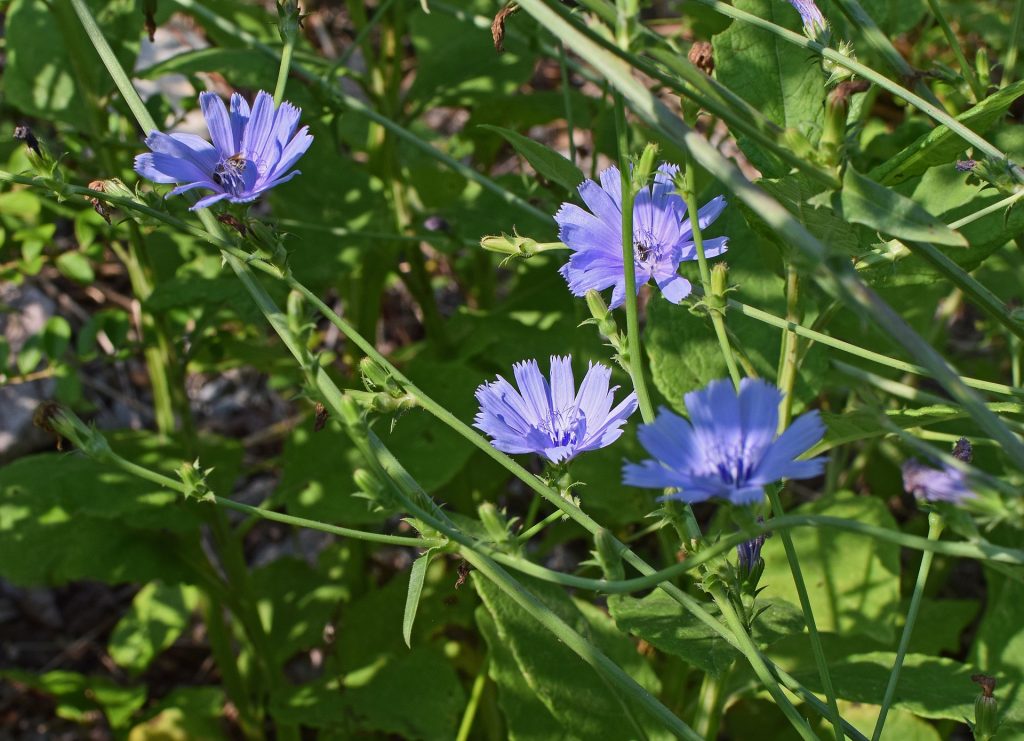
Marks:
<point>230,173</point>
<point>561,427</point>
<point>646,247</point>
<point>732,466</point>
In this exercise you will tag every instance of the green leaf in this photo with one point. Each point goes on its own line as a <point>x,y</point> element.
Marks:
<point>192,713</point>
<point>864,201</point>
<point>569,688</point>
<point>417,574</point>
<point>940,146</point>
<point>52,71</point>
<point>76,266</point>
<point>56,336</point>
<point>853,581</point>
<point>79,696</point>
<point>669,627</point>
<point>546,162</point>
<point>158,615</point>
<point>784,84</point>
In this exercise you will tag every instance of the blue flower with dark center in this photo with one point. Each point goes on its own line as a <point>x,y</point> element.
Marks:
<point>662,236</point>
<point>552,420</point>
<point>729,449</point>
<point>252,151</point>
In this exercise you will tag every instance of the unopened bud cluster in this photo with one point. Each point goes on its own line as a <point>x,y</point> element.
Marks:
<point>389,396</point>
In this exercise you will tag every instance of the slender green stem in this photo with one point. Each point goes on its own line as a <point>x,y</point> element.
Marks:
<point>709,705</point>
<point>789,360</point>
<point>805,606</point>
<point>997,206</point>
<point>753,655</point>
<point>563,64</point>
<point>636,360</point>
<point>475,693</point>
<point>863,21</point>
<point>234,686</point>
<point>954,43</point>
<point>717,318</point>
<point>1013,47</point>
<point>536,528</point>
<point>175,485</point>
<point>283,69</point>
<point>935,525</point>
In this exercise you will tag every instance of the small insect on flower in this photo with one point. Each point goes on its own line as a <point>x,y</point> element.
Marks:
<point>729,449</point>
<point>253,150</point>
<point>662,237</point>
<point>552,420</point>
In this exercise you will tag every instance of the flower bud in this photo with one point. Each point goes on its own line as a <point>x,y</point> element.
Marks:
<point>702,56</point>
<point>609,555</point>
<point>65,424</point>
<point>289,19</point>
<point>986,708</point>
<point>645,166</point>
<point>374,377</point>
<point>510,245</point>
<point>494,522</point>
<point>194,479</point>
<point>750,565</point>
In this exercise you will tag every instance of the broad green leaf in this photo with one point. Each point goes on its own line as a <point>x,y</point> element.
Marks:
<point>546,162</point>
<point>853,582</point>
<point>526,717</point>
<point>669,627</point>
<point>76,266</point>
<point>900,725</point>
<point>569,688</point>
<point>52,71</point>
<point>193,713</point>
<point>417,574</point>
<point>864,201</point>
<point>940,146</point>
<point>784,84</point>
<point>56,336</point>
<point>78,696</point>
<point>158,615</point>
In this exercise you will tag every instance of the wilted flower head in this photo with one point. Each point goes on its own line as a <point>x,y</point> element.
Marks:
<point>662,236</point>
<point>252,151</point>
<point>728,449</point>
<point>554,420</point>
<point>947,484</point>
<point>814,21</point>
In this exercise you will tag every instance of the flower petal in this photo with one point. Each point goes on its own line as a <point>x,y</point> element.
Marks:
<point>219,124</point>
<point>675,288</point>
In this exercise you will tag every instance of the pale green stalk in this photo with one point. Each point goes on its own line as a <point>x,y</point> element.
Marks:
<point>475,693</point>
<point>717,319</point>
<point>789,358</point>
<point>805,606</point>
<point>563,65</point>
<point>536,528</point>
<point>1013,48</point>
<point>282,71</point>
<point>934,531</point>
<point>954,43</point>
<point>710,703</point>
<point>636,360</point>
<point>750,651</point>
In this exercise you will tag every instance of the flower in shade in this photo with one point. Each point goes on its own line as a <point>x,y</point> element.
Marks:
<point>552,420</point>
<point>252,151</point>
<point>814,21</point>
<point>662,236</point>
<point>946,484</point>
<point>729,448</point>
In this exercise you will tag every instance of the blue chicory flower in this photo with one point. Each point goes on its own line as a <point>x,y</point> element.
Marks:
<point>554,421</point>
<point>252,151</point>
<point>814,21</point>
<point>662,237</point>
<point>947,484</point>
<point>729,449</point>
